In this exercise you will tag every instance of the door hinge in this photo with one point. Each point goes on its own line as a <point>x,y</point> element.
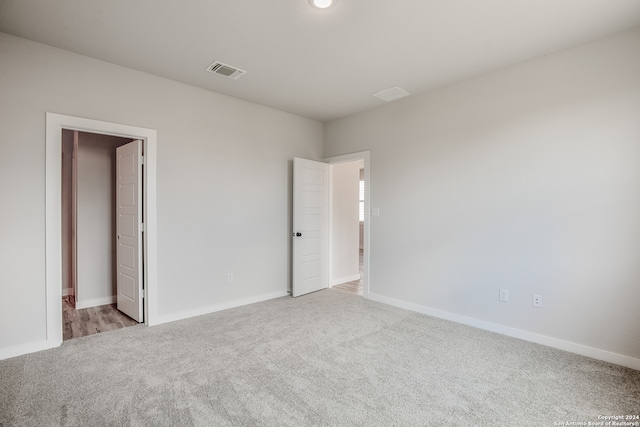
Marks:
<point>141,160</point>
<point>141,228</point>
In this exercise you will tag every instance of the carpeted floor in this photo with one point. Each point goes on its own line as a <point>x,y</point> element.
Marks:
<point>326,359</point>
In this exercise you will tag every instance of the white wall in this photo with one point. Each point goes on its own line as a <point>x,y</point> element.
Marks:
<point>96,219</point>
<point>95,230</point>
<point>525,178</point>
<point>223,180</point>
<point>345,264</point>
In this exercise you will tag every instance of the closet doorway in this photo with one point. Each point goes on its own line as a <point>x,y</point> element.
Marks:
<point>55,123</point>
<point>89,237</point>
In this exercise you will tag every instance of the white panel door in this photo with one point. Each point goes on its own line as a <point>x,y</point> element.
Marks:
<point>129,230</point>
<point>310,226</point>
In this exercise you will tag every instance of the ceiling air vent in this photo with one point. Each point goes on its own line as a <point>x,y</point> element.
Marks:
<point>391,94</point>
<point>225,70</point>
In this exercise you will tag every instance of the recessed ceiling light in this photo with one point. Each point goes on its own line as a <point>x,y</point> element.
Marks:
<point>322,4</point>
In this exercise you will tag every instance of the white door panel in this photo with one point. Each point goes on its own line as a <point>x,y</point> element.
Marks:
<point>310,226</point>
<point>129,230</point>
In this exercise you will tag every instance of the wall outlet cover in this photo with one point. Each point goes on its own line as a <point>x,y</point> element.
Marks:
<point>537,301</point>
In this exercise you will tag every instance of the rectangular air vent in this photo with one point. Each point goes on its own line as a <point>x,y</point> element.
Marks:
<point>391,94</point>
<point>225,70</point>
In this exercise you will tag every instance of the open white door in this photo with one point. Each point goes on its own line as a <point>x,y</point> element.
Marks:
<point>129,230</point>
<point>310,226</point>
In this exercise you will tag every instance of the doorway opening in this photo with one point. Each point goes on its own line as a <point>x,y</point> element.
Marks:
<point>53,208</point>
<point>347,226</point>
<point>89,237</point>
<point>320,243</point>
<point>349,236</point>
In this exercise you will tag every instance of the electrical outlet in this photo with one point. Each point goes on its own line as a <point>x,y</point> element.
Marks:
<point>229,277</point>
<point>504,295</point>
<point>537,301</point>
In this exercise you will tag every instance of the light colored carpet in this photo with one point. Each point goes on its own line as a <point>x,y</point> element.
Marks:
<point>326,359</point>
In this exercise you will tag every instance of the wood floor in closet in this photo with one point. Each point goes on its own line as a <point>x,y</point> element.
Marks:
<point>92,320</point>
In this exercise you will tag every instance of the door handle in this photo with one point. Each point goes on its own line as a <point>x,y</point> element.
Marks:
<point>296,234</point>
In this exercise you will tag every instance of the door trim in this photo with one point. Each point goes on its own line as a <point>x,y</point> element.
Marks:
<point>53,225</point>
<point>366,256</point>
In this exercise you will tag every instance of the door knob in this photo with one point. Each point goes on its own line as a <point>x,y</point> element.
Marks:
<point>296,234</point>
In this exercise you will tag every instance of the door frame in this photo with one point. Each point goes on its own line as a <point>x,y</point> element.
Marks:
<point>366,255</point>
<point>55,123</point>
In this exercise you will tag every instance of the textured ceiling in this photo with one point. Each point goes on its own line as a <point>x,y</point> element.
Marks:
<point>321,64</point>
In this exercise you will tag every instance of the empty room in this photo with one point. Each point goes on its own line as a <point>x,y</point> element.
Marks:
<point>317,212</point>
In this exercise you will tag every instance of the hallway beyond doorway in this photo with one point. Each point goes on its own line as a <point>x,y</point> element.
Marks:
<point>354,286</point>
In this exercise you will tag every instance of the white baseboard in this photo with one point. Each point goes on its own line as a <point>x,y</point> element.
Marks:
<point>67,291</point>
<point>19,350</point>
<point>345,279</point>
<point>33,347</point>
<point>571,347</point>
<point>95,302</point>
<point>219,307</point>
